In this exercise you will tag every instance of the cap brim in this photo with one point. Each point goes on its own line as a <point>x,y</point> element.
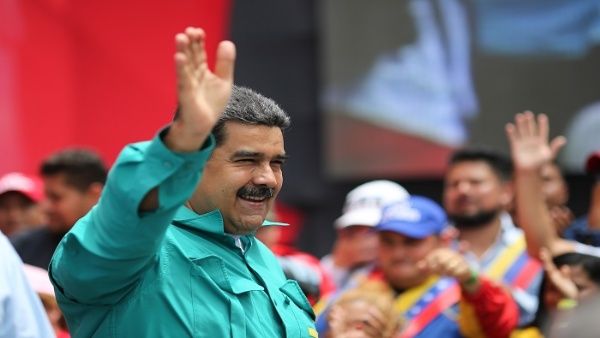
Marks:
<point>30,195</point>
<point>411,230</point>
<point>364,216</point>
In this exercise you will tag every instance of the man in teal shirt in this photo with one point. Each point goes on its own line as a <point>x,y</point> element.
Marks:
<point>169,251</point>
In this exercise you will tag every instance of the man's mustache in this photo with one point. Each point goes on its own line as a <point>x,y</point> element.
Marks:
<point>256,192</point>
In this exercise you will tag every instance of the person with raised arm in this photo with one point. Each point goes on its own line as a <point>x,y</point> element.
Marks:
<point>169,250</point>
<point>572,269</point>
<point>531,150</point>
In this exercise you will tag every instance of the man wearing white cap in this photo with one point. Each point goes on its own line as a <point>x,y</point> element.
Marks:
<point>355,248</point>
<point>437,292</point>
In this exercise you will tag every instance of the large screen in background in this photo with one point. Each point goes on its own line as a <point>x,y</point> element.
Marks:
<point>406,82</point>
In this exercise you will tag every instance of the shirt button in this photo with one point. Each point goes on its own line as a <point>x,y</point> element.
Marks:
<point>167,164</point>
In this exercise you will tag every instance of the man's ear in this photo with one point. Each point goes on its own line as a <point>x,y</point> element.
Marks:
<point>507,195</point>
<point>95,190</point>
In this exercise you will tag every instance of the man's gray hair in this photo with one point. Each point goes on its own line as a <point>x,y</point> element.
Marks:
<point>249,107</point>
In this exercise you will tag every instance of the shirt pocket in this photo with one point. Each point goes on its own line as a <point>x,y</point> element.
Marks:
<point>298,309</point>
<point>215,299</point>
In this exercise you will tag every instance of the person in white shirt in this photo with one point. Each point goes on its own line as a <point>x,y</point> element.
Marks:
<point>21,312</point>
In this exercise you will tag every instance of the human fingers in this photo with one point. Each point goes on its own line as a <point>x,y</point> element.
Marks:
<point>520,129</point>
<point>530,124</point>
<point>556,145</point>
<point>375,322</point>
<point>336,319</point>
<point>547,263</point>
<point>511,134</point>
<point>225,64</point>
<point>543,127</point>
<point>197,50</point>
<point>182,62</point>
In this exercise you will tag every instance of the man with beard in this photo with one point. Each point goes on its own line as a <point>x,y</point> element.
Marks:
<point>170,251</point>
<point>477,193</point>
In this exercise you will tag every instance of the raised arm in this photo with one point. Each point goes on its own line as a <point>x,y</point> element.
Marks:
<point>105,254</point>
<point>202,95</point>
<point>530,150</point>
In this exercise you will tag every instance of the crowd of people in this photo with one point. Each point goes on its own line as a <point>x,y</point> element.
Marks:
<point>182,238</point>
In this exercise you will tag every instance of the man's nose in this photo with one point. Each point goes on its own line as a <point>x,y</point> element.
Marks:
<point>45,206</point>
<point>265,175</point>
<point>463,187</point>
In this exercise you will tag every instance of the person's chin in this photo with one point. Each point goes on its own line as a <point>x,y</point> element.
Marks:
<point>406,273</point>
<point>250,223</point>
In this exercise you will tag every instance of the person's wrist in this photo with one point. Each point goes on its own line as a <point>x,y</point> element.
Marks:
<point>179,139</point>
<point>566,304</point>
<point>470,277</point>
<point>470,282</point>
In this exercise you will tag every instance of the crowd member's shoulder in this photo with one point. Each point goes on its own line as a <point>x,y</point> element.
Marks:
<point>35,247</point>
<point>26,237</point>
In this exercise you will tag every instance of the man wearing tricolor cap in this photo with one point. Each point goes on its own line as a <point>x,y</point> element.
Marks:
<point>437,291</point>
<point>355,248</point>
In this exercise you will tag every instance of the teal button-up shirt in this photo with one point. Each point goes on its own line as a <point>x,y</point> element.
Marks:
<point>171,272</point>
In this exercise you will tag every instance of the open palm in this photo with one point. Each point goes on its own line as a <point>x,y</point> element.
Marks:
<point>202,94</point>
<point>528,138</point>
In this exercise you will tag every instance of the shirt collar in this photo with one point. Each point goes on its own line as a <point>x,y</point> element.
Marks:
<point>209,222</point>
<point>507,235</point>
<point>508,231</point>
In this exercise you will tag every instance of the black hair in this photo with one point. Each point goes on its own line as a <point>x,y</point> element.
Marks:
<point>498,162</point>
<point>248,107</point>
<point>590,264</point>
<point>80,167</point>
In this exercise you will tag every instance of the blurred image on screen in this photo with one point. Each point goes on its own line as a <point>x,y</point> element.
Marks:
<point>406,82</point>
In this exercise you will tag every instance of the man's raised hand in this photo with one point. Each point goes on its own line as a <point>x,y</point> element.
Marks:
<point>528,138</point>
<point>202,94</point>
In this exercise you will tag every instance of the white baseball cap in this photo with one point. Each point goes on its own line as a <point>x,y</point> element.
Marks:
<point>364,203</point>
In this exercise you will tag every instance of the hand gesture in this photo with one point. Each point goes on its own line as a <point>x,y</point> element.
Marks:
<point>202,94</point>
<point>364,324</point>
<point>450,263</point>
<point>528,140</point>
<point>560,278</point>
